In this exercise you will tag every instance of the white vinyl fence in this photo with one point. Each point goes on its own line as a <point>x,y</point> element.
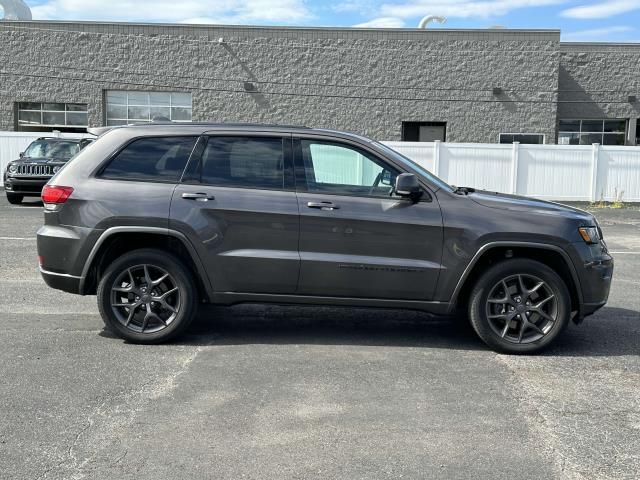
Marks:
<point>553,172</point>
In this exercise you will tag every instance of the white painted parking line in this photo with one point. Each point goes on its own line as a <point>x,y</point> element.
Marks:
<point>18,239</point>
<point>625,253</point>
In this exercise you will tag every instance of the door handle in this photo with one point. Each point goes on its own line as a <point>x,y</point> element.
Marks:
<point>201,197</point>
<point>323,205</point>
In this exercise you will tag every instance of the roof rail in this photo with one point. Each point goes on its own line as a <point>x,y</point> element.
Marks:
<point>98,131</point>
<point>214,124</point>
<point>56,138</point>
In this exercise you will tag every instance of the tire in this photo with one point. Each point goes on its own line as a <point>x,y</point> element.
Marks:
<point>513,325</point>
<point>127,281</point>
<point>14,198</point>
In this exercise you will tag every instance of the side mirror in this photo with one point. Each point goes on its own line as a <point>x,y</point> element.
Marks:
<point>21,154</point>
<point>386,179</point>
<point>407,185</point>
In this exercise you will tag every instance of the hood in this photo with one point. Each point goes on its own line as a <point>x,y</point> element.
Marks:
<point>41,160</point>
<point>526,204</point>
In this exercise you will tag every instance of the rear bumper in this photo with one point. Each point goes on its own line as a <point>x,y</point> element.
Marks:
<point>61,252</point>
<point>61,281</point>
<point>31,187</point>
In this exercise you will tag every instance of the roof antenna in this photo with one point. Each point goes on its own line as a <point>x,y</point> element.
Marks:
<point>15,10</point>
<point>431,18</point>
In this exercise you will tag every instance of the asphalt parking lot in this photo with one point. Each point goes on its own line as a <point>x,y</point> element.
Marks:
<point>302,392</point>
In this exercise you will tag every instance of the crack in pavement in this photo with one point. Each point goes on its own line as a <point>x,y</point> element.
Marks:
<point>564,426</point>
<point>102,425</point>
<point>538,425</point>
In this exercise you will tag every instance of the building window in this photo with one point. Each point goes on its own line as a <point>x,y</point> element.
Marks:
<point>424,131</point>
<point>125,107</point>
<point>525,138</point>
<point>587,132</point>
<point>36,115</point>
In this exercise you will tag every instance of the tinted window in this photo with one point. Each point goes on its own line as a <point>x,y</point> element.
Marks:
<point>339,169</point>
<point>161,159</point>
<point>250,162</point>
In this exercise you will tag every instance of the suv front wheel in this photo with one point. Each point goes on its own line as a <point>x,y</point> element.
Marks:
<point>147,296</point>
<point>519,306</point>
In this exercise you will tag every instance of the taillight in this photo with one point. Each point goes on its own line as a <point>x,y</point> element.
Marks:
<point>56,194</point>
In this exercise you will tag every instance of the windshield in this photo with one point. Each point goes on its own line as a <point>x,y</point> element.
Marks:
<point>439,183</point>
<point>52,149</point>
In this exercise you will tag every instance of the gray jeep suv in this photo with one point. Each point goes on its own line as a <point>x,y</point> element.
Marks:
<point>157,218</point>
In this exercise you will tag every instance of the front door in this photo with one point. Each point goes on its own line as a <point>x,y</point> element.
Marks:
<point>238,206</point>
<point>357,239</point>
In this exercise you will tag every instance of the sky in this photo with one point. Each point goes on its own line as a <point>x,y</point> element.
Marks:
<point>579,20</point>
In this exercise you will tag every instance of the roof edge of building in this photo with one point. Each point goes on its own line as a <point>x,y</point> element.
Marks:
<point>280,27</point>
<point>318,32</point>
<point>594,46</point>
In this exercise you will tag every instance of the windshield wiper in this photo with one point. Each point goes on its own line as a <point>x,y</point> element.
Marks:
<point>463,190</point>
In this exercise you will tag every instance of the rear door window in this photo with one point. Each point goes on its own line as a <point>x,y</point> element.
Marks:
<point>245,162</point>
<point>160,159</point>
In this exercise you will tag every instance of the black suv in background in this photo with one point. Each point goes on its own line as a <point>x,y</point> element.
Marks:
<point>157,218</point>
<point>41,160</point>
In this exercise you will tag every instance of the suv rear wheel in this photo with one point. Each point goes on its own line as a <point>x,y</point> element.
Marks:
<point>519,306</point>
<point>147,296</point>
<point>14,198</point>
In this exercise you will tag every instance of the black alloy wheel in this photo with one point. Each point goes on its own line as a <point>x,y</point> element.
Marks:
<point>147,296</point>
<point>519,306</point>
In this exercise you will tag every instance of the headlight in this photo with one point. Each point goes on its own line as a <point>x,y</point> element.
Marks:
<point>57,169</point>
<point>590,234</point>
<point>12,168</point>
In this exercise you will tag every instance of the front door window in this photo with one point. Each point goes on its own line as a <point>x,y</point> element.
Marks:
<point>340,170</point>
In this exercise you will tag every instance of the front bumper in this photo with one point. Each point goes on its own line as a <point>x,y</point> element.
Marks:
<point>30,186</point>
<point>595,274</point>
<point>591,308</point>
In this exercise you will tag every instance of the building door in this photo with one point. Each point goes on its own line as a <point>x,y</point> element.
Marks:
<point>424,131</point>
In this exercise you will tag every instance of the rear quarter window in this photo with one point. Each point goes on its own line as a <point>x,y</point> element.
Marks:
<point>160,159</point>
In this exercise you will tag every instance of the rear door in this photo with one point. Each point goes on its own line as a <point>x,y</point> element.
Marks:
<point>357,239</point>
<point>237,204</point>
